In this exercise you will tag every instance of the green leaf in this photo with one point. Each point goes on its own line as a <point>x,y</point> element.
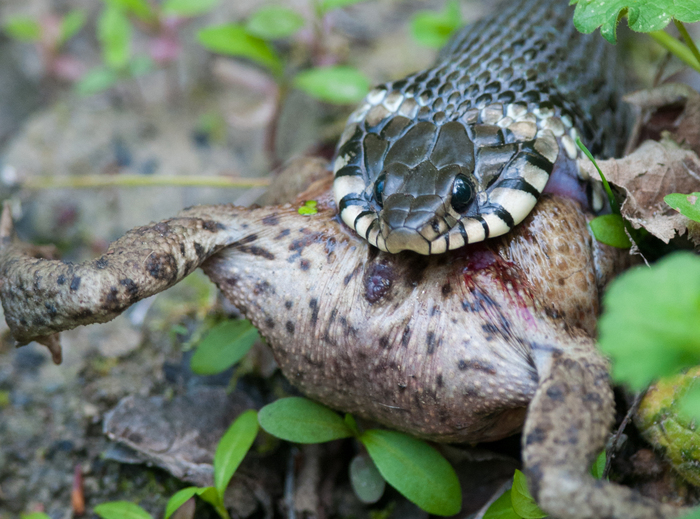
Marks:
<point>300,420</point>
<point>686,204</point>
<point>23,28</point>
<point>329,5</point>
<point>234,40</point>
<point>211,495</point>
<point>502,508</point>
<point>233,447</point>
<point>140,8</point>
<point>179,499</point>
<point>598,466</point>
<point>415,469</point>
<point>308,208</point>
<point>610,230</point>
<point>367,483</point>
<point>224,345</point>
<point>96,80</point>
<point>643,15</point>
<point>694,514</point>
<point>433,29</point>
<point>71,24</point>
<point>188,8</point>
<point>651,324</point>
<point>336,84</point>
<point>114,32</point>
<point>522,501</point>
<point>121,510</point>
<point>614,206</point>
<point>274,22</point>
<point>34,515</point>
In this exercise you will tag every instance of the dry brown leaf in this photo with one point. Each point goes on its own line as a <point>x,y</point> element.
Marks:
<point>654,170</point>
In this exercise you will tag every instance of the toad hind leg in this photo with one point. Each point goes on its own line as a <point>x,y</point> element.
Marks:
<point>566,427</point>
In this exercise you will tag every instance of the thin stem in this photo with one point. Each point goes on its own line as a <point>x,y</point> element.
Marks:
<point>677,48</point>
<point>688,40</point>
<point>94,181</point>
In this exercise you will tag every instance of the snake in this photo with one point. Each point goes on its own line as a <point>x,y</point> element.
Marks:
<point>462,151</point>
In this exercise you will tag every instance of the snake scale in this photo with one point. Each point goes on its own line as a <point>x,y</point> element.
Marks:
<point>462,151</point>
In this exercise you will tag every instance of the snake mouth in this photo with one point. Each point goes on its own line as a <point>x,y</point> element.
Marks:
<point>415,223</point>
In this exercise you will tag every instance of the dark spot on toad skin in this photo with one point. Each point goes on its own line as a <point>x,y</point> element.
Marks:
<point>131,288</point>
<point>446,290</point>
<point>255,251</point>
<point>304,265</point>
<point>347,278</point>
<point>438,380</point>
<point>378,280</point>
<point>84,314</point>
<point>248,239</point>
<point>61,279</point>
<point>51,309</point>
<point>406,336</point>
<point>182,249</point>
<point>477,365</point>
<point>430,341</point>
<point>490,329</point>
<point>330,246</point>
<point>162,267</point>
<point>300,244</point>
<point>102,263</point>
<point>271,219</point>
<point>313,304</point>
<point>263,287</point>
<point>75,284</point>
<point>538,435</point>
<point>288,305</point>
<point>434,311</point>
<point>161,228</point>
<point>282,234</point>
<point>269,323</point>
<point>384,342</point>
<point>289,325</point>
<point>212,226</point>
<point>198,250</point>
<point>555,393</point>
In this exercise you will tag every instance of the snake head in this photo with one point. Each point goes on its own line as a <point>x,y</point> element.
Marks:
<point>430,187</point>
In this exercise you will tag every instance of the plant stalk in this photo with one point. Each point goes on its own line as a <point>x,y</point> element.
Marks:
<point>688,40</point>
<point>96,181</point>
<point>677,48</point>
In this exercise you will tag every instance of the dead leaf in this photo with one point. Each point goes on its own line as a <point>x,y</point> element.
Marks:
<point>654,170</point>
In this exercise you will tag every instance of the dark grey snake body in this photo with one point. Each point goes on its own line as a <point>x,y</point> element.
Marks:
<point>461,152</point>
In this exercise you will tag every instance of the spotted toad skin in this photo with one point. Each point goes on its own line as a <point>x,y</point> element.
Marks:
<point>472,345</point>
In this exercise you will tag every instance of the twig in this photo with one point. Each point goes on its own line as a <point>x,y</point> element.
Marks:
<point>94,181</point>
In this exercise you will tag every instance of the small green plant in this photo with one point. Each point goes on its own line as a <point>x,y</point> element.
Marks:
<point>411,466</point>
<point>224,345</point>
<point>687,205</point>
<point>50,36</point>
<point>608,228</point>
<point>35,515</point>
<point>517,502</point>
<point>648,16</point>
<point>115,28</point>
<point>230,451</point>
<point>308,208</point>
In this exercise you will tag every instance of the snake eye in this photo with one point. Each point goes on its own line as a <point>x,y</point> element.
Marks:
<point>462,194</point>
<point>379,189</point>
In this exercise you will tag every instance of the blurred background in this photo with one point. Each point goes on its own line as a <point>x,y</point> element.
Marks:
<point>114,113</point>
